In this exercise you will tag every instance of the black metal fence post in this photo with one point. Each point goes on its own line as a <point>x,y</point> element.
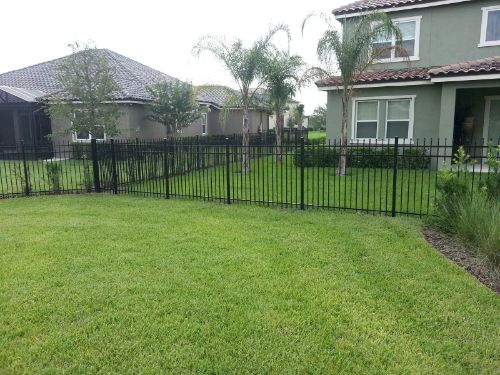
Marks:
<point>25,171</point>
<point>113,168</point>
<point>394,176</point>
<point>228,177</point>
<point>302,151</point>
<point>95,166</point>
<point>165,168</point>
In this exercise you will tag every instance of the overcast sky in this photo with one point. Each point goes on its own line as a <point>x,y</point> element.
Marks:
<point>157,33</point>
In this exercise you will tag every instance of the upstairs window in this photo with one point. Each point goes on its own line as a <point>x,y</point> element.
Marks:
<point>410,35</point>
<point>490,27</point>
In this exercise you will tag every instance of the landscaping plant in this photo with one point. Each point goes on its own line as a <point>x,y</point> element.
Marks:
<point>471,214</point>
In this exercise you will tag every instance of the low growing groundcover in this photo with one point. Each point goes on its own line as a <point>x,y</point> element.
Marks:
<point>111,284</point>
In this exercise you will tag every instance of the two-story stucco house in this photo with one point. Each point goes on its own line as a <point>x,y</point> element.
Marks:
<point>447,88</point>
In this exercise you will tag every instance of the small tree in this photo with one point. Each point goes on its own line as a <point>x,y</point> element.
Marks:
<point>246,66</point>
<point>281,81</point>
<point>173,104</point>
<point>350,52</point>
<point>318,117</point>
<point>86,95</point>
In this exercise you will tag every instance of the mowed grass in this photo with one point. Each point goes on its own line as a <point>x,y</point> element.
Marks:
<point>316,134</point>
<point>368,189</point>
<point>71,176</point>
<point>111,284</point>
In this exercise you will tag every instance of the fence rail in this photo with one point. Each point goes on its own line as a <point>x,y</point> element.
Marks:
<point>382,178</point>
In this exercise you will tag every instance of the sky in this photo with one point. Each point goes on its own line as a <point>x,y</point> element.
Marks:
<point>160,34</point>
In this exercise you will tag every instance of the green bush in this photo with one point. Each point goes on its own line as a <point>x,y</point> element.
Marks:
<point>470,213</point>
<point>80,150</point>
<point>365,157</point>
<point>54,174</point>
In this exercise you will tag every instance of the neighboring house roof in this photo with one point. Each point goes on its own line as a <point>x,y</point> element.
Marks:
<point>223,96</point>
<point>216,95</point>
<point>131,76</point>
<point>372,5</point>
<point>490,65</point>
<point>18,95</point>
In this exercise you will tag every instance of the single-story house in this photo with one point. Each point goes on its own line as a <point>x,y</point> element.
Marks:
<point>22,116</point>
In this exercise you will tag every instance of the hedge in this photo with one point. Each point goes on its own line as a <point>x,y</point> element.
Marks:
<point>365,157</point>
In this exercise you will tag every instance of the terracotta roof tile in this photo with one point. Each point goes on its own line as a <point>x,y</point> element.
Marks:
<point>487,65</point>
<point>370,5</point>
<point>378,76</point>
<point>482,66</point>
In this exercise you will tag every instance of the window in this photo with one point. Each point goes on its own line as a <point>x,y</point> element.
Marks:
<point>490,27</point>
<point>410,35</point>
<point>204,121</point>
<point>398,119</point>
<point>395,113</point>
<point>366,119</point>
<point>85,136</point>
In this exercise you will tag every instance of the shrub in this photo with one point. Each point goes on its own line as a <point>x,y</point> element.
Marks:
<point>54,172</point>
<point>365,157</point>
<point>492,182</point>
<point>471,214</point>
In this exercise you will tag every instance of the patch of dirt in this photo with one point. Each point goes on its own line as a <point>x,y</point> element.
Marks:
<point>459,253</point>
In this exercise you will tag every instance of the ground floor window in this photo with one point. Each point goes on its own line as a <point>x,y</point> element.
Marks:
<point>398,119</point>
<point>383,118</point>
<point>366,119</point>
<point>204,122</point>
<point>85,136</point>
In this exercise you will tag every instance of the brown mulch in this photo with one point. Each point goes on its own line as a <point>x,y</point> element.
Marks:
<point>459,253</point>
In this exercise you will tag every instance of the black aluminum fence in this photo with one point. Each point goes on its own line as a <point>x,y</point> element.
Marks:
<point>382,178</point>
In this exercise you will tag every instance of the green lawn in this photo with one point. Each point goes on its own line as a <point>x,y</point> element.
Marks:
<point>112,284</point>
<point>316,134</point>
<point>368,189</point>
<point>71,176</point>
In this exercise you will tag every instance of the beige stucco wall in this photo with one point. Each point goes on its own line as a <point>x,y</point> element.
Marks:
<point>133,123</point>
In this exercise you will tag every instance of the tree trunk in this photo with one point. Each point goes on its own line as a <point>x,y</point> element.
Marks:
<point>245,168</point>
<point>343,138</point>
<point>279,135</point>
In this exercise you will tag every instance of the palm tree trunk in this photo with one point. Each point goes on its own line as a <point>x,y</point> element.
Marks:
<point>343,138</point>
<point>245,168</point>
<point>279,135</point>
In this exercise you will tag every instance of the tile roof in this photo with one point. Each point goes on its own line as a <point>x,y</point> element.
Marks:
<point>131,76</point>
<point>222,96</point>
<point>370,5</point>
<point>378,76</point>
<point>216,95</point>
<point>482,66</point>
<point>487,65</point>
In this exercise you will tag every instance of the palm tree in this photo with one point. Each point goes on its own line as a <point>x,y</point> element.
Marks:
<point>281,82</point>
<point>349,53</point>
<point>246,65</point>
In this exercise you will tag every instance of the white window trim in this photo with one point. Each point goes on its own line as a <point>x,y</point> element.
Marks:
<point>411,116</point>
<point>416,52</point>
<point>87,140</point>
<point>484,26</point>
<point>204,117</point>
<point>355,118</point>
<point>378,99</point>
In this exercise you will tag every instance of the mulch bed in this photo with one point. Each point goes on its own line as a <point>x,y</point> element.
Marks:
<point>459,253</point>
